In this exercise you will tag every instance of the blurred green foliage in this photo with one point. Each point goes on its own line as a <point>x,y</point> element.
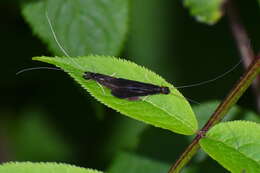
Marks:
<point>162,36</point>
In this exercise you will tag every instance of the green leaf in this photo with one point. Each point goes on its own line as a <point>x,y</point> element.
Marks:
<point>153,137</point>
<point>128,131</point>
<point>170,111</point>
<point>130,163</point>
<point>28,167</point>
<point>33,126</point>
<point>235,145</point>
<point>207,11</point>
<point>204,111</point>
<point>82,27</point>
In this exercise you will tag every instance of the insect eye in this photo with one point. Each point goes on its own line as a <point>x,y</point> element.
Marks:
<point>87,76</point>
<point>165,90</point>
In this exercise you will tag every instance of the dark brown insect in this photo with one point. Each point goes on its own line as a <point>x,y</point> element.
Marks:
<point>124,88</point>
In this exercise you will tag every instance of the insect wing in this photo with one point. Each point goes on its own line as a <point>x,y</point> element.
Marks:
<point>135,86</point>
<point>123,88</point>
<point>128,93</point>
<point>123,93</point>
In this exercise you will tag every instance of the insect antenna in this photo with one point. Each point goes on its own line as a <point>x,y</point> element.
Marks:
<point>204,82</point>
<point>37,68</point>
<point>60,47</point>
<point>187,98</point>
<point>54,35</point>
<point>212,80</point>
<point>191,100</point>
<point>58,43</point>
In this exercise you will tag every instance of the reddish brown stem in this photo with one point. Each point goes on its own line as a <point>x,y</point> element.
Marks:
<point>220,112</point>
<point>245,81</point>
<point>243,44</point>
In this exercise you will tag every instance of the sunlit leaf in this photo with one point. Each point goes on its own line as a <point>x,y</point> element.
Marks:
<point>235,145</point>
<point>169,111</point>
<point>28,167</point>
<point>204,111</point>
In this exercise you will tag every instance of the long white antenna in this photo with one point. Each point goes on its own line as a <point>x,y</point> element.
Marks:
<point>54,35</point>
<point>211,80</point>
<point>78,65</point>
<point>58,43</point>
<point>189,99</point>
<point>37,68</point>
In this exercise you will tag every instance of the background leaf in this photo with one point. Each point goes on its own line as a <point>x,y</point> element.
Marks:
<point>207,11</point>
<point>128,131</point>
<point>235,145</point>
<point>130,163</point>
<point>205,110</point>
<point>170,112</point>
<point>28,167</point>
<point>83,27</point>
<point>168,41</point>
<point>33,137</point>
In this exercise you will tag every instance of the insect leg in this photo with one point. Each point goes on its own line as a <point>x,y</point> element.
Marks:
<point>147,78</point>
<point>144,98</point>
<point>112,75</point>
<point>101,88</point>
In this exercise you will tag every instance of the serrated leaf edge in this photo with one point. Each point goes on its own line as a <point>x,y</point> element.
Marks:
<point>184,122</point>
<point>235,149</point>
<point>48,163</point>
<point>231,149</point>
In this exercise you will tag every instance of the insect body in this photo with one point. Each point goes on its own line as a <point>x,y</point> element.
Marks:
<point>124,88</point>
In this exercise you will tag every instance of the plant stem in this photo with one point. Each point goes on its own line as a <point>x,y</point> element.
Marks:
<point>237,91</point>
<point>239,33</point>
<point>243,44</point>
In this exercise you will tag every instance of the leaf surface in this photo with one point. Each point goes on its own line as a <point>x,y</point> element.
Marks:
<point>130,163</point>
<point>235,145</point>
<point>206,109</point>
<point>28,167</point>
<point>128,131</point>
<point>32,126</point>
<point>82,26</point>
<point>169,111</point>
<point>206,11</point>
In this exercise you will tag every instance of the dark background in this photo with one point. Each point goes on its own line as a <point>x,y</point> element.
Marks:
<point>175,46</point>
